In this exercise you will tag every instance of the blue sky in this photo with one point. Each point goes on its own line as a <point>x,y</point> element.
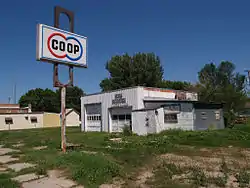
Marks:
<point>185,34</point>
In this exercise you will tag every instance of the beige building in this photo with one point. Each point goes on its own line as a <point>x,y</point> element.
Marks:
<point>72,118</point>
<point>12,117</point>
<point>31,120</point>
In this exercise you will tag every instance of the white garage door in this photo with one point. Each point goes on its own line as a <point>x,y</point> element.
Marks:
<point>120,118</point>
<point>93,113</point>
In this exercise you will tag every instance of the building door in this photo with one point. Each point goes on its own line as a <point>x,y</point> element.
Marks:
<point>93,119</point>
<point>94,122</point>
<point>121,117</point>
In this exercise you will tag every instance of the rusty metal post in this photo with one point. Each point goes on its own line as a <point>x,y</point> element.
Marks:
<point>63,119</point>
<point>57,11</point>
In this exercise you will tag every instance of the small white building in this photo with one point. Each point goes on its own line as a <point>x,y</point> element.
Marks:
<point>147,110</point>
<point>72,118</point>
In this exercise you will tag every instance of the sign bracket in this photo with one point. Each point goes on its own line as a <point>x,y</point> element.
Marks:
<point>57,12</point>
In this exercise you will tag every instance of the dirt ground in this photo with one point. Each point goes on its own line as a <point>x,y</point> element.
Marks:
<point>205,167</point>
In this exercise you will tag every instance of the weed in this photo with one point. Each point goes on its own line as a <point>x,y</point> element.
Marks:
<point>224,167</point>
<point>243,178</point>
<point>127,130</point>
<point>199,178</point>
<point>211,127</point>
<point>134,151</point>
<point>172,168</point>
<point>6,182</point>
<point>40,170</point>
<point>219,181</point>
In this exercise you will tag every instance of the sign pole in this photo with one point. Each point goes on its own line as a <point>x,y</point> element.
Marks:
<point>58,10</point>
<point>57,46</point>
<point>63,119</point>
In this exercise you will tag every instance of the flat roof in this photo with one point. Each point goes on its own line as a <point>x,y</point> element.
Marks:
<point>28,113</point>
<point>132,87</point>
<point>17,113</point>
<point>197,105</point>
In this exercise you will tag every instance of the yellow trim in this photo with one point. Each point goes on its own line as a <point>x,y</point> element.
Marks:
<point>51,120</point>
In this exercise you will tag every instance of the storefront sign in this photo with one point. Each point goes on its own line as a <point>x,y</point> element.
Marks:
<point>119,100</point>
<point>59,46</point>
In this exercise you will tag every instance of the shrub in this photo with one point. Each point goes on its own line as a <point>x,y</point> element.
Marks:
<point>212,127</point>
<point>127,131</point>
<point>243,178</point>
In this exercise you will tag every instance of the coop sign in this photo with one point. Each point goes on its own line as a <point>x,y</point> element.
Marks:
<point>59,46</point>
<point>119,100</point>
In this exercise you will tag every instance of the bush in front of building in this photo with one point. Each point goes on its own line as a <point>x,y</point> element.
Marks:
<point>127,130</point>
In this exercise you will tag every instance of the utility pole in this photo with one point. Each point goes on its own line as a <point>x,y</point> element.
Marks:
<point>14,94</point>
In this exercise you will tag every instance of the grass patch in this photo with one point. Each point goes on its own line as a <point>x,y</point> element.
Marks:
<point>118,158</point>
<point>6,182</point>
<point>93,169</point>
<point>41,170</point>
<point>219,181</point>
<point>88,169</point>
<point>163,176</point>
<point>199,178</point>
<point>243,178</point>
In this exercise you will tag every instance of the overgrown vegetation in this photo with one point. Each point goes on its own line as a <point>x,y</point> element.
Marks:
<point>120,158</point>
<point>199,178</point>
<point>6,182</point>
<point>127,130</point>
<point>219,181</point>
<point>243,178</point>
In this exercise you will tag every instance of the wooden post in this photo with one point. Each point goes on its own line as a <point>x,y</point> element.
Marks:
<point>63,119</point>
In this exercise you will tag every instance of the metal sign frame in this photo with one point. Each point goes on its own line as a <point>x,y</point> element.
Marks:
<point>56,82</point>
<point>57,12</point>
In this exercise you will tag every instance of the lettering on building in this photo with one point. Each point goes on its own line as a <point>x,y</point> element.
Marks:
<point>119,100</point>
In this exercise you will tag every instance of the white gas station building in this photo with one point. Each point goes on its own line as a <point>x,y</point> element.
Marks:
<point>147,110</point>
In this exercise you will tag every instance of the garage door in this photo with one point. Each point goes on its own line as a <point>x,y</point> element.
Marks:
<point>93,113</point>
<point>120,118</point>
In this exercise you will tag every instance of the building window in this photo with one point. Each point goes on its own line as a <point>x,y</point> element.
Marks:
<point>170,118</point>
<point>121,117</point>
<point>128,116</point>
<point>8,120</point>
<point>217,115</point>
<point>33,119</point>
<point>94,118</point>
<point>114,117</point>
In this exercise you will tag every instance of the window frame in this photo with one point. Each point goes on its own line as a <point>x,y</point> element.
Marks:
<point>7,119</point>
<point>172,120</point>
<point>32,119</point>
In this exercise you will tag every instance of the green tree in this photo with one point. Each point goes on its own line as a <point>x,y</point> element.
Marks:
<point>142,69</point>
<point>176,85</point>
<point>73,97</point>
<point>41,100</point>
<point>222,84</point>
